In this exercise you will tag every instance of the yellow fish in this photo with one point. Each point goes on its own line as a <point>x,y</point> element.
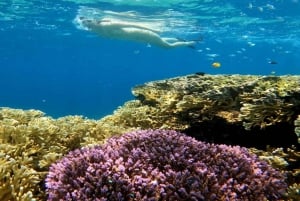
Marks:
<point>216,64</point>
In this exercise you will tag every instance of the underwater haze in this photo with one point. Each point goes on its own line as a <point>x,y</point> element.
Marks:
<point>51,62</point>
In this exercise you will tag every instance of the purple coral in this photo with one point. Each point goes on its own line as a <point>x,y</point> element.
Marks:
<point>162,165</point>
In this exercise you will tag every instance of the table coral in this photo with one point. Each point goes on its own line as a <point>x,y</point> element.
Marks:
<point>180,102</point>
<point>162,165</point>
<point>259,100</point>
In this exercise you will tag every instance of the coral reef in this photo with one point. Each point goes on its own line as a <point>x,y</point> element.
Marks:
<point>30,142</point>
<point>252,100</point>
<point>287,161</point>
<point>18,178</point>
<point>247,104</point>
<point>297,128</point>
<point>259,112</point>
<point>162,165</point>
<point>246,110</point>
<point>248,101</point>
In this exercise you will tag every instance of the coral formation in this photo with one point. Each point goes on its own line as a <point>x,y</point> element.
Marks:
<point>271,99</point>
<point>294,192</point>
<point>162,165</point>
<point>18,178</point>
<point>253,102</point>
<point>30,142</point>
<point>287,161</point>
<point>297,128</point>
<point>245,110</point>
<point>252,111</point>
<point>256,100</point>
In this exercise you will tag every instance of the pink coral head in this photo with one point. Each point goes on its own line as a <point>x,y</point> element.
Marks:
<point>162,165</point>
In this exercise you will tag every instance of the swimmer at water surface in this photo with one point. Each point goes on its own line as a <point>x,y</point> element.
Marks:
<point>131,30</point>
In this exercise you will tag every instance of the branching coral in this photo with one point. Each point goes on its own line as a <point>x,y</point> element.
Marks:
<point>18,178</point>
<point>180,101</point>
<point>270,100</point>
<point>162,165</point>
<point>30,142</point>
<point>294,192</point>
<point>297,127</point>
<point>133,116</point>
<point>287,161</point>
<point>21,116</point>
<point>266,113</point>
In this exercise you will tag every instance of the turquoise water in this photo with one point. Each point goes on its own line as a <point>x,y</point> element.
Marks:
<point>48,62</point>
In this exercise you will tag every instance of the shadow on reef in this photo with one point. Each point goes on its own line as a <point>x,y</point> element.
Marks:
<point>281,135</point>
<point>219,131</point>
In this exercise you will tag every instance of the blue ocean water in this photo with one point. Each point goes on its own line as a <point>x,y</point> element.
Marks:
<point>49,63</point>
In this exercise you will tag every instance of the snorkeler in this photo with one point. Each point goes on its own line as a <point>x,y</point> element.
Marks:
<point>131,30</point>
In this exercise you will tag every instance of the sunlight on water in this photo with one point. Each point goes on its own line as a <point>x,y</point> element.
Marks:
<point>167,23</point>
<point>151,3</point>
<point>243,23</point>
<point>220,19</point>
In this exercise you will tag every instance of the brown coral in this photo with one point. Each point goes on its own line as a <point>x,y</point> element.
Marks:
<point>30,142</point>
<point>297,128</point>
<point>239,103</point>
<point>18,178</point>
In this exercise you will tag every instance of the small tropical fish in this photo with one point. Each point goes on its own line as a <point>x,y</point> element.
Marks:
<point>200,73</point>
<point>272,62</point>
<point>216,64</point>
